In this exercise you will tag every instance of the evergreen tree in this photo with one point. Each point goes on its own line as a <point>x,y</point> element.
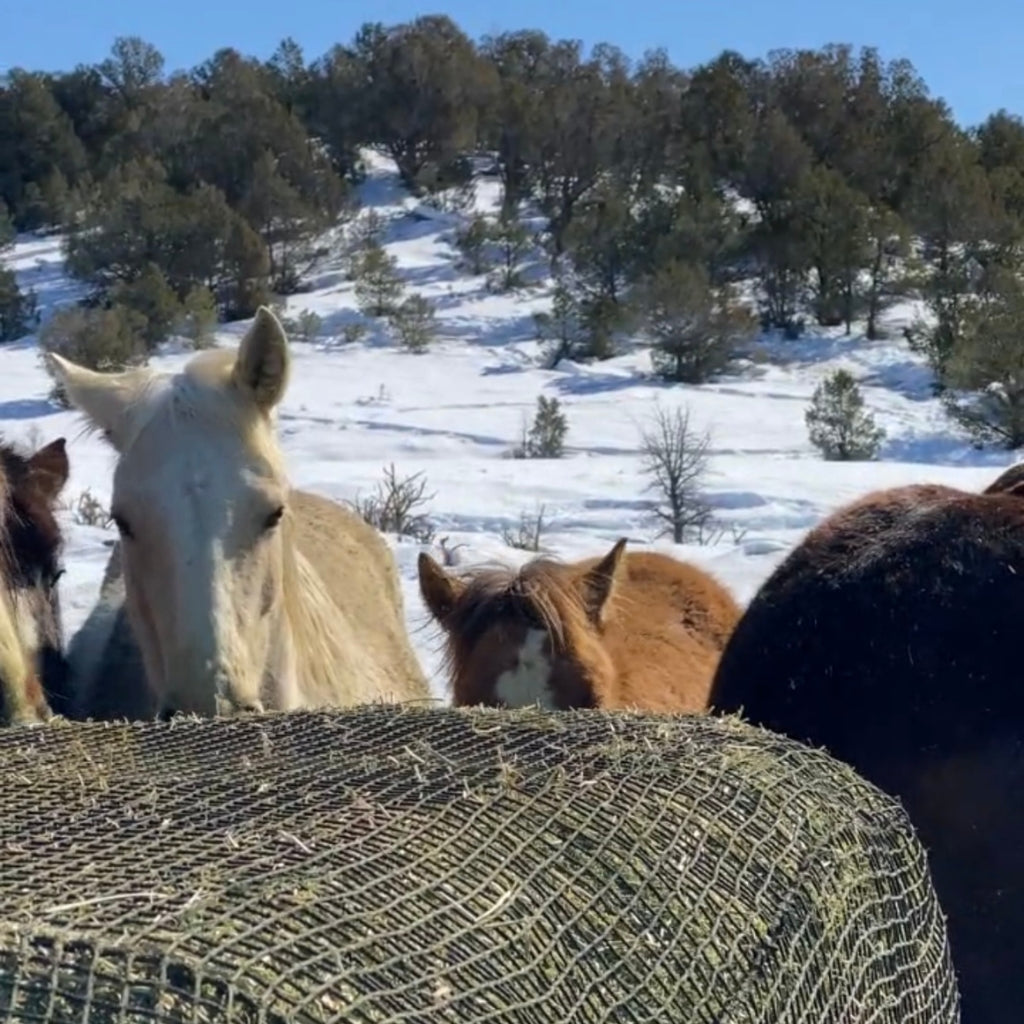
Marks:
<point>838,424</point>
<point>7,232</point>
<point>153,299</point>
<point>696,328</point>
<point>472,242</point>
<point>414,322</point>
<point>378,284</point>
<point>513,243</point>
<point>985,367</point>
<point>546,437</point>
<point>18,310</point>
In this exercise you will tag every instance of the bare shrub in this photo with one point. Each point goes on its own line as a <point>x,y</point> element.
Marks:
<point>449,552</point>
<point>526,536</point>
<point>88,510</point>
<point>393,507</point>
<point>675,461</point>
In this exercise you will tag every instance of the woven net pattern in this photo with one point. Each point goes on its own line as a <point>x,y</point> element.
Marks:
<point>386,864</point>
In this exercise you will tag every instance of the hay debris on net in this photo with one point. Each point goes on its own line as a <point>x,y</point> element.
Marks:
<point>387,864</point>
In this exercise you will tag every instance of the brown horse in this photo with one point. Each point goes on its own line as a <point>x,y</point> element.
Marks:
<point>32,668</point>
<point>892,637</point>
<point>638,630</point>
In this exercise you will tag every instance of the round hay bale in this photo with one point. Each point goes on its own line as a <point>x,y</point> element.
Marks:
<point>388,864</point>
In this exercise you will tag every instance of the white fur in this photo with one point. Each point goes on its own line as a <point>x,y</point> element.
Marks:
<point>15,663</point>
<point>529,683</point>
<point>225,608</point>
<point>198,473</point>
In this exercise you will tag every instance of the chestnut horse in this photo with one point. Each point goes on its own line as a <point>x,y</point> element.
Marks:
<point>638,630</point>
<point>33,677</point>
<point>891,636</point>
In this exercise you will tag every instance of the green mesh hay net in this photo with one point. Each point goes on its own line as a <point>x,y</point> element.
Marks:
<point>388,864</point>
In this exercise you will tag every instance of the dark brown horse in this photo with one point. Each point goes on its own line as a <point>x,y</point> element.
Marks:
<point>638,630</point>
<point>32,668</point>
<point>892,636</point>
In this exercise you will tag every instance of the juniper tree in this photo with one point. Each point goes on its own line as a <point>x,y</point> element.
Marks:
<point>838,424</point>
<point>696,328</point>
<point>985,368</point>
<point>546,437</point>
<point>18,309</point>
<point>378,286</point>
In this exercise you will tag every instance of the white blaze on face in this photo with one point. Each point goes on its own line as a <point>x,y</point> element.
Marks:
<point>529,683</point>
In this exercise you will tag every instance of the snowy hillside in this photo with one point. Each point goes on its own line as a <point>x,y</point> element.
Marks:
<point>455,412</point>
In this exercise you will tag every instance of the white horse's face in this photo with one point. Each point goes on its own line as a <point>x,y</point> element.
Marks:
<point>199,498</point>
<point>199,515</point>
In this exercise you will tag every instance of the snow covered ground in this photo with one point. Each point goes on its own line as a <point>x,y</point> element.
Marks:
<point>455,413</point>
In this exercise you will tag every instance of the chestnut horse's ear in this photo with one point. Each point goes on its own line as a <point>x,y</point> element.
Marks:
<point>599,582</point>
<point>439,590</point>
<point>1011,481</point>
<point>49,469</point>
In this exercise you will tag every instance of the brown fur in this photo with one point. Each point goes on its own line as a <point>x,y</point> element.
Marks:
<point>638,630</point>
<point>33,672</point>
<point>891,637</point>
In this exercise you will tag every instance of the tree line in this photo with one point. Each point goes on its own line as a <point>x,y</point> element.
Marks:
<point>826,184</point>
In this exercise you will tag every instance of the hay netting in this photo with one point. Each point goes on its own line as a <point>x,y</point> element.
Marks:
<point>438,865</point>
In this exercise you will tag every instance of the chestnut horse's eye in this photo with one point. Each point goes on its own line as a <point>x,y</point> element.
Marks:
<point>273,519</point>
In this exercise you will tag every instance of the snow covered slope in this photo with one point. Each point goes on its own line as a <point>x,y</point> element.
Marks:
<point>455,412</point>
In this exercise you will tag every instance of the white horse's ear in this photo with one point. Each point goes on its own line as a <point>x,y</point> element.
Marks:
<point>106,399</point>
<point>263,364</point>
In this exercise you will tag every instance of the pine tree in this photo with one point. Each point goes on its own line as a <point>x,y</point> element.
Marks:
<point>414,321</point>
<point>546,437</point>
<point>7,232</point>
<point>198,317</point>
<point>378,285</point>
<point>985,368</point>
<point>837,423</point>
<point>18,309</point>
<point>471,242</point>
<point>513,242</point>
<point>696,328</point>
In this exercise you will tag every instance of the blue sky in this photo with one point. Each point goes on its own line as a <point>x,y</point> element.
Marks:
<point>969,55</point>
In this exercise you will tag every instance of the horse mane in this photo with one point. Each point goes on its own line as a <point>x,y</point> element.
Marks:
<point>540,594</point>
<point>305,601</point>
<point>21,501</point>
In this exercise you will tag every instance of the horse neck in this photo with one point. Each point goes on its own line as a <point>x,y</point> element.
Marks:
<point>312,633</point>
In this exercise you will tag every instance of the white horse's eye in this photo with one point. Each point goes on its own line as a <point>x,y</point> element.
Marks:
<point>274,518</point>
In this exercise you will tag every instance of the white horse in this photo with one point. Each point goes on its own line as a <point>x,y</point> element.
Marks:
<point>238,592</point>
